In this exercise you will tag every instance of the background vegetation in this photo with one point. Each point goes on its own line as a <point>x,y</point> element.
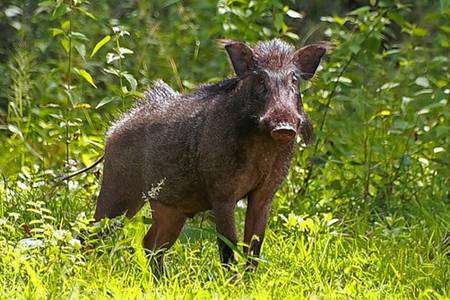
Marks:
<point>365,212</point>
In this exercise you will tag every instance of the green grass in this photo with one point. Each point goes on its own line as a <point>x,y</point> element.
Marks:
<point>396,256</point>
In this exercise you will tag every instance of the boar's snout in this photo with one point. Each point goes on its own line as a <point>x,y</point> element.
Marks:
<point>281,125</point>
<point>283,133</point>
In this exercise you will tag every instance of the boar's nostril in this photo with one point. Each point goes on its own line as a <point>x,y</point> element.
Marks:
<point>283,133</point>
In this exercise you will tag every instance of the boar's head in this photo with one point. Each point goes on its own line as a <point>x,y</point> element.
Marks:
<point>272,71</point>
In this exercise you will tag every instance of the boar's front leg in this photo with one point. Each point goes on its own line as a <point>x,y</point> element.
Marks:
<point>258,208</point>
<point>167,223</point>
<point>226,228</point>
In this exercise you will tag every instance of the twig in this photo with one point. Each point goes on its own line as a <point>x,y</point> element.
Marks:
<point>68,90</point>
<point>84,169</point>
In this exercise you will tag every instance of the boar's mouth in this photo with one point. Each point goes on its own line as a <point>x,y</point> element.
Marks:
<point>283,133</point>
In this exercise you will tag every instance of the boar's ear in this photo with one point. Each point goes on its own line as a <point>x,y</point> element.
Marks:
<point>241,56</point>
<point>307,59</point>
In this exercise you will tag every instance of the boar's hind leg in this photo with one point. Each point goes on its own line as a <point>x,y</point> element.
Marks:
<point>226,228</point>
<point>167,223</point>
<point>119,194</point>
<point>255,223</point>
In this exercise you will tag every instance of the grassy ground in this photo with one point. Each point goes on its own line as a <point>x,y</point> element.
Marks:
<point>398,255</point>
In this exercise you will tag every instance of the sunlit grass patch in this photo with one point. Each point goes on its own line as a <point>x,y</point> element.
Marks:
<point>303,256</point>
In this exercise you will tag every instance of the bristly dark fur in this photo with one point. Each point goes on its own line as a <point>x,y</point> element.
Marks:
<point>210,148</point>
<point>224,86</point>
<point>274,54</point>
<point>160,90</point>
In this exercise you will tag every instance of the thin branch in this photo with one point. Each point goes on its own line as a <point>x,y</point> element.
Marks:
<point>68,91</point>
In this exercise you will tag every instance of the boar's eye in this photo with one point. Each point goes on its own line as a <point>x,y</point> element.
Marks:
<point>261,82</point>
<point>262,78</point>
<point>262,88</point>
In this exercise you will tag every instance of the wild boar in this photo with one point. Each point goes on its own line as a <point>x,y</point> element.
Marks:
<point>210,148</point>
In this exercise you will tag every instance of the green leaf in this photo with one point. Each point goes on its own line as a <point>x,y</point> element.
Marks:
<point>189,84</point>
<point>81,49</point>
<point>339,20</point>
<point>112,71</point>
<point>82,106</point>
<point>105,101</point>
<point>438,149</point>
<point>419,31</point>
<point>373,44</point>
<point>110,57</point>
<point>130,78</point>
<point>294,14</point>
<point>397,18</point>
<point>65,25</point>
<point>278,21</point>
<point>360,11</point>
<point>123,51</point>
<point>15,130</point>
<point>423,111</point>
<point>385,112</point>
<point>13,11</point>
<point>83,73</point>
<point>354,48</point>
<point>57,31</point>
<point>78,35</point>
<point>422,81</point>
<point>292,35</point>
<point>66,44</point>
<point>388,86</point>
<point>60,10</point>
<point>85,12</point>
<point>100,44</point>
<point>342,79</point>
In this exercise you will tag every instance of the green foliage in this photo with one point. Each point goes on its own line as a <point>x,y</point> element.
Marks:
<point>364,211</point>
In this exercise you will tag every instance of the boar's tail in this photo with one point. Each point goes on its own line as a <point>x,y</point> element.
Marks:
<point>84,169</point>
